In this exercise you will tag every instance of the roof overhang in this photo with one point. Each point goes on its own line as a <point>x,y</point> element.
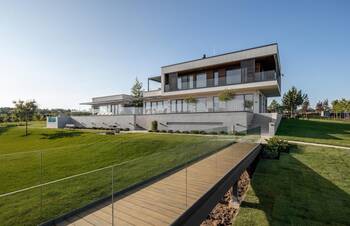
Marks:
<point>256,52</point>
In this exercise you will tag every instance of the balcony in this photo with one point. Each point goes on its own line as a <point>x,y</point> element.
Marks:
<point>152,93</point>
<point>225,81</point>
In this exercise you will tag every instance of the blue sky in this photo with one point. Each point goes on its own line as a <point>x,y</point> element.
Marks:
<point>61,53</point>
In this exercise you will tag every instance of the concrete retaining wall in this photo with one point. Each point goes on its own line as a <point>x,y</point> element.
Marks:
<point>211,121</point>
<point>227,121</point>
<point>104,121</point>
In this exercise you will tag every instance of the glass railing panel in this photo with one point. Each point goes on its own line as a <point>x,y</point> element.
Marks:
<point>73,193</point>
<point>19,170</point>
<point>21,208</point>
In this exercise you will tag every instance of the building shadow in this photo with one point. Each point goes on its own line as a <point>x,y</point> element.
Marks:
<point>291,193</point>
<point>313,129</point>
<point>60,134</point>
<point>5,128</point>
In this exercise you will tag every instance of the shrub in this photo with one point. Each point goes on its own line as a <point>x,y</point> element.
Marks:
<point>213,132</point>
<point>170,131</point>
<point>177,131</point>
<point>126,129</point>
<point>274,147</point>
<point>157,131</point>
<point>185,132</point>
<point>163,131</point>
<point>226,95</point>
<point>202,132</point>
<point>195,131</point>
<point>151,131</point>
<point>223,132</point>
<point>154,125</point>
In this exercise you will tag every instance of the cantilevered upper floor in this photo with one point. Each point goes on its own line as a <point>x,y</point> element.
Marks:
<point>245,70</point>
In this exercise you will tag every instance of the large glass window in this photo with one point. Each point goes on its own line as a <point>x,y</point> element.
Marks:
<point>173,106</point>
<point>103,110</point>
<point>201,80</point>
<point>216,78</point>
<point>248,102</point>
<point>148,109</point>
<point>233,76</point>
<point>190,81</point>
<point>201,105</point>
<point>178,105</point>
<point>179,83</point>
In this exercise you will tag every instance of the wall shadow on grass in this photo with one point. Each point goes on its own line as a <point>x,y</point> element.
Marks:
<point>60,134</point>
<point>291,193</point>
<point>313,129</point>
<point>4,128</point>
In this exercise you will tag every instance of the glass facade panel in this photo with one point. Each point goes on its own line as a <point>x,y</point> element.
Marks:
<point>179,83</point>
<point>216,78</point>
<point>233,76</point>
<point>173,106</point>
<point>178,105</point>
<point>190,81</point>
<point>201,105</point>
<point>249,102</point>
<point>201,80</point>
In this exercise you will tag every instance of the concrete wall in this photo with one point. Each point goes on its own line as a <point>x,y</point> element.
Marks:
<point>197,121</point>
<point>104,121</point>
<point>211,121</point>
<point>57,122</point>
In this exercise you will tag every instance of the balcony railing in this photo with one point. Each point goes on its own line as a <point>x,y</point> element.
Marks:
<point>224,81</point>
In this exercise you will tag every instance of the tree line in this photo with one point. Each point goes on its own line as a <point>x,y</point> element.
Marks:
<point>296,103</point>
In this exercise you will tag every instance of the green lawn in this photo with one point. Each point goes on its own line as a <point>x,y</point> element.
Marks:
<point>316,131</point>
<point>65,153</point>
<point>310,186</point>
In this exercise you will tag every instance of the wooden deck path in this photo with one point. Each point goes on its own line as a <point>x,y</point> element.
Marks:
<point>162,202</point>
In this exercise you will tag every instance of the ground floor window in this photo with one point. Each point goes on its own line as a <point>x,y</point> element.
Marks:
<point>241,102</point>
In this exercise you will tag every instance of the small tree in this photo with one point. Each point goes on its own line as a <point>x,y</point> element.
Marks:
<point>305,106</point>
<point>25,111</point>
<point>293,99</point>
<point>319,107</point>
<point>274,107</point>
<point>136,92</point>
<point>226,95</point>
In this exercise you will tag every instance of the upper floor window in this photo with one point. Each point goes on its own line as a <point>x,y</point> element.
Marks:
<point>216,78</point>
<point>201,80</point>
<point>233,76</point>
<point>179,83</point>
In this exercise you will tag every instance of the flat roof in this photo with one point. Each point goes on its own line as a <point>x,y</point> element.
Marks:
<point>157,78</point>
<point>118,98</point>
<point>255,52</point>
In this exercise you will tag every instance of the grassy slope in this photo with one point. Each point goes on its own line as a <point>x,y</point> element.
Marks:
<point>67,153</point>
<point>310,186</point>
<point>316,131</point>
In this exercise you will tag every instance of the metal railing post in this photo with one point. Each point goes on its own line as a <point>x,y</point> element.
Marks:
<point>112,195</point>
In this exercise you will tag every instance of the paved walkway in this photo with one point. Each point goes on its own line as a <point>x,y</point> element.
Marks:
<point>162,202</point>
<point>319,145</point>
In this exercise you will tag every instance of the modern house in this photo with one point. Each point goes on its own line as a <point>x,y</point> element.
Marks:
<point>188,93</point>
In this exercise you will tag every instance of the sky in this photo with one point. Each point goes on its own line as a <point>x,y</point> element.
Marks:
<point>62,53</point>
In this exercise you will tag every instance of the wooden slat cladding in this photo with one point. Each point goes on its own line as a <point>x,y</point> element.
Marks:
<point>248,70</point>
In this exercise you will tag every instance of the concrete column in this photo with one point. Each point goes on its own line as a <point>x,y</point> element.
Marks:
<point>235,199</point>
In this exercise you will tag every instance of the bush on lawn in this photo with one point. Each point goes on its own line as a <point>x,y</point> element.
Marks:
<point>185,132</point>
<point>274,147</point>
<point>163,131</point>
<point>170,131</point>
<point>202,132</point>
<point>177,131</point>
<point>223,133</point>
<point>126,129</point>
<point>213,133</point>
<point>154,125</point>
<point>195,131</point>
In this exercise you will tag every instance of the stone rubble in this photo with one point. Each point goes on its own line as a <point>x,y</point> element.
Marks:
<point>224,211</point>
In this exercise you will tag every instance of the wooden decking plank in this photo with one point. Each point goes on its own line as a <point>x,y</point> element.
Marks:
<point>164,201</point>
